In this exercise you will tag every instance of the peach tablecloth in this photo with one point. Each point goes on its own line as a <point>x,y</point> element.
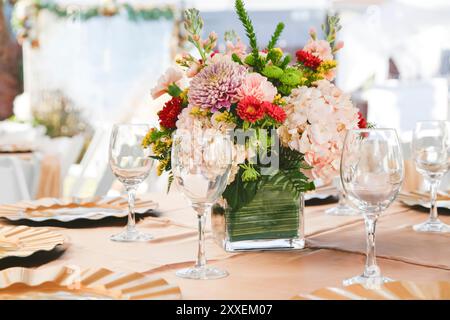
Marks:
<point>335,253</point>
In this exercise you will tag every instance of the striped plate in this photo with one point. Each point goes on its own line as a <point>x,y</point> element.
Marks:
<point>397,290</point>
<point>73,283</point>
<point>22,241</point>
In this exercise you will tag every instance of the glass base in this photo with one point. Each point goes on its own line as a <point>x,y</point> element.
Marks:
<point>373,282</point>
<point>266,244</point>
<point>432,226</point>
<point>204,273</point>
<point>342,210</point>
<point>131,235</point>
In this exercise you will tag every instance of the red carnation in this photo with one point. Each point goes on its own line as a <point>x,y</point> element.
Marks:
<point>308,60</point>
<point>250,109</point>
<point>275,112</point>
<point>362,123</point>
<point>169,114</point>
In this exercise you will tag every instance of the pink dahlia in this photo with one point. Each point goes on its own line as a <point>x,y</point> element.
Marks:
<point>216,85</point>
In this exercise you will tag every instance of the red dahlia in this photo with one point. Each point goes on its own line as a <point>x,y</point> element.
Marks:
<point>250,109</point>
<point>169,114</point>
<point>275,112</point>
<point>308,60</point>
<point>362,123</point>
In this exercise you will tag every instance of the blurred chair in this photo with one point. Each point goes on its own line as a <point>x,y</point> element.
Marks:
<point>14,185</point>
<point>67,149</point>
<point>94,165</point>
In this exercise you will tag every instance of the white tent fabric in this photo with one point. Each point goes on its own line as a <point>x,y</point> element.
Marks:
<point>411,33</point>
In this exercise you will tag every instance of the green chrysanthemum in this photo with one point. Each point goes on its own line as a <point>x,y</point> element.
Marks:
<point>291,77</point>
<point>273,72</point>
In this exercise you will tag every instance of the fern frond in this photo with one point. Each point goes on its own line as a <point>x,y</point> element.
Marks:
<point>276,35</point>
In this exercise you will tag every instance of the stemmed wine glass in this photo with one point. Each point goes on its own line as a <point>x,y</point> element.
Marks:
<point>342,208</point>
<point>430,148</point>
<point>371,173</point>
<point>131,164</point>
<point>201,164</point>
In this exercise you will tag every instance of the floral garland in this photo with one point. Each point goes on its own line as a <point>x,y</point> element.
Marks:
<point>26,13</point>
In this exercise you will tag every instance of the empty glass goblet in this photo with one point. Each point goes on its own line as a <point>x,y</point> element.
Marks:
<point>430,149</point>
<point>201,164</point>
<point>131,164</point>
<point>371,173</point>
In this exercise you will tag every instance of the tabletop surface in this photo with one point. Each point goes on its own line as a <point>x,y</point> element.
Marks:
<point>335,251</point>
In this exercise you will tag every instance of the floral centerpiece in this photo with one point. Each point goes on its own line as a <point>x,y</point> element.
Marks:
<point>260,89</point>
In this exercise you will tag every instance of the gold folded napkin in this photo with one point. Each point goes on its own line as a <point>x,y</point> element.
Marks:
<point>9,244</point>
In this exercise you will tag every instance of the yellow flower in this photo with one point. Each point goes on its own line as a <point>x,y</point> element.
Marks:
<point>327,65</point>
<point>279,100</point>
<point>279,51</point>
<point>184,95</point>
<point>147,139</point>
<point>224,117</point>
<point>199,112</point>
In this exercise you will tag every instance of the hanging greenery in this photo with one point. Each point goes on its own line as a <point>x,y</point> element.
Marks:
<point>26,13</point>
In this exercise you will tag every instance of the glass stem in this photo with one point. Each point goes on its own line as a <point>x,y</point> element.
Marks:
<point>201,215</point>
<point>371,268</point>
<point>433,192</point>
<point>131,191</point>
<point>341,195</point>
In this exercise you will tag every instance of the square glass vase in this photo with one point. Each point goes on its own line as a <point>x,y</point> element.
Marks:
<point>273,220</point>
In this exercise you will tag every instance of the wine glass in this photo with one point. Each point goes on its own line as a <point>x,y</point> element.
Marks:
<point>342,208</point>
<point>371,173</point>
<point>201,164</point>
<point>430,148</point>
<point>131,164</point>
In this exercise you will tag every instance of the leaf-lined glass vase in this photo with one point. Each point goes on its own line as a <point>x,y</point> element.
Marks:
<point>272,220</point>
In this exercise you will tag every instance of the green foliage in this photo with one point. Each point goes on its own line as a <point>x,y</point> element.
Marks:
<point>330,28</point>
<point>239,193</point>
<point>249,173</point>
<point>236,58</point>
<point>293,181</point>
<point>276,35</point>
<point>289,177</point>
<point>285,62</point>
<point>249,30</point>
<point>174,90</point>
<point>193,24</point>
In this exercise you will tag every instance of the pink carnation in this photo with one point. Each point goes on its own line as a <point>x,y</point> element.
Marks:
<point>256,85</point>
<point>320,49</point>
<point>239,48</point>
<point>172,75</point>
